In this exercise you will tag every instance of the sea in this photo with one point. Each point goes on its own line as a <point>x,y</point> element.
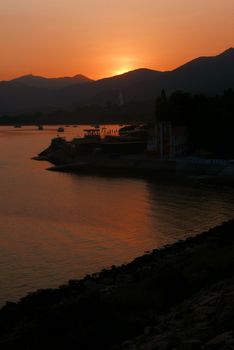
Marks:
<point>55,227</point>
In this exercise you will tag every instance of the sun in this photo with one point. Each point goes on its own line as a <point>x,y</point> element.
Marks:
<point>122,64</point>
<point>121,70</point>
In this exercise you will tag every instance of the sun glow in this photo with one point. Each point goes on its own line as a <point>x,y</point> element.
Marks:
<point>122,70</point>
<point>122,63</point>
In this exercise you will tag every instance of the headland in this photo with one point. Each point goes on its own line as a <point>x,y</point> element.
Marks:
<point>130,159</point>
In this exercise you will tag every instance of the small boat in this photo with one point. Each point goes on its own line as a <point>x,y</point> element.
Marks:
<point>40,127</point>
<point>17,126</point>
<point>60,129</point>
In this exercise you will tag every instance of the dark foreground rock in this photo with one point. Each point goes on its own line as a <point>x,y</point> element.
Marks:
<point>203,321</point>
<point>177,297</point>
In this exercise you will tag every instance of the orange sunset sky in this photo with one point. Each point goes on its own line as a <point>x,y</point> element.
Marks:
<point>100,38</point>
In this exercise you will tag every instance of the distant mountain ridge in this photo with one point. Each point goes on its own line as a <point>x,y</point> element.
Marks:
<point>209,75</point>
<point>50,83</point>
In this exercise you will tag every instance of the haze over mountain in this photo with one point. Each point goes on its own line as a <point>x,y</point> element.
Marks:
<point>209,75</point>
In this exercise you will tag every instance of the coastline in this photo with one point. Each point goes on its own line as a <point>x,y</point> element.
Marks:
<point>153,298</point>
<point>216,172</point>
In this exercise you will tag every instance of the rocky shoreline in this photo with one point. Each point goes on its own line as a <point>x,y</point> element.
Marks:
<point>177,297</point>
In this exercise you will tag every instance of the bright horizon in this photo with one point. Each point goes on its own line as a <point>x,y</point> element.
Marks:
<point>102,38</point>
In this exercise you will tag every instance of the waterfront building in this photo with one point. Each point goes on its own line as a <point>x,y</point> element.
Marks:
<point>166,140</point>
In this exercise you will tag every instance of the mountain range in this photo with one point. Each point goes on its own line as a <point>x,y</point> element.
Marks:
<point>29,94</point>
<point>51,83</point>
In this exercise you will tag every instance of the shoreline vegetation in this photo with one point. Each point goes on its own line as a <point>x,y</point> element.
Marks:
<point>177,297</point>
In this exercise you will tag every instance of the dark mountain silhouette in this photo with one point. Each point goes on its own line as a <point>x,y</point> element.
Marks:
<point>209,75</point>
<point>206,74</point>
<point>41,82</point>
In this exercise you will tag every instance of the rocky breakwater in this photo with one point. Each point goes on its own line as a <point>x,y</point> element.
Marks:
<point>177,297</point>
<point>59,152</point>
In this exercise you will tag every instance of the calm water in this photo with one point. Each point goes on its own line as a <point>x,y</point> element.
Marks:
<point>57,226</point>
